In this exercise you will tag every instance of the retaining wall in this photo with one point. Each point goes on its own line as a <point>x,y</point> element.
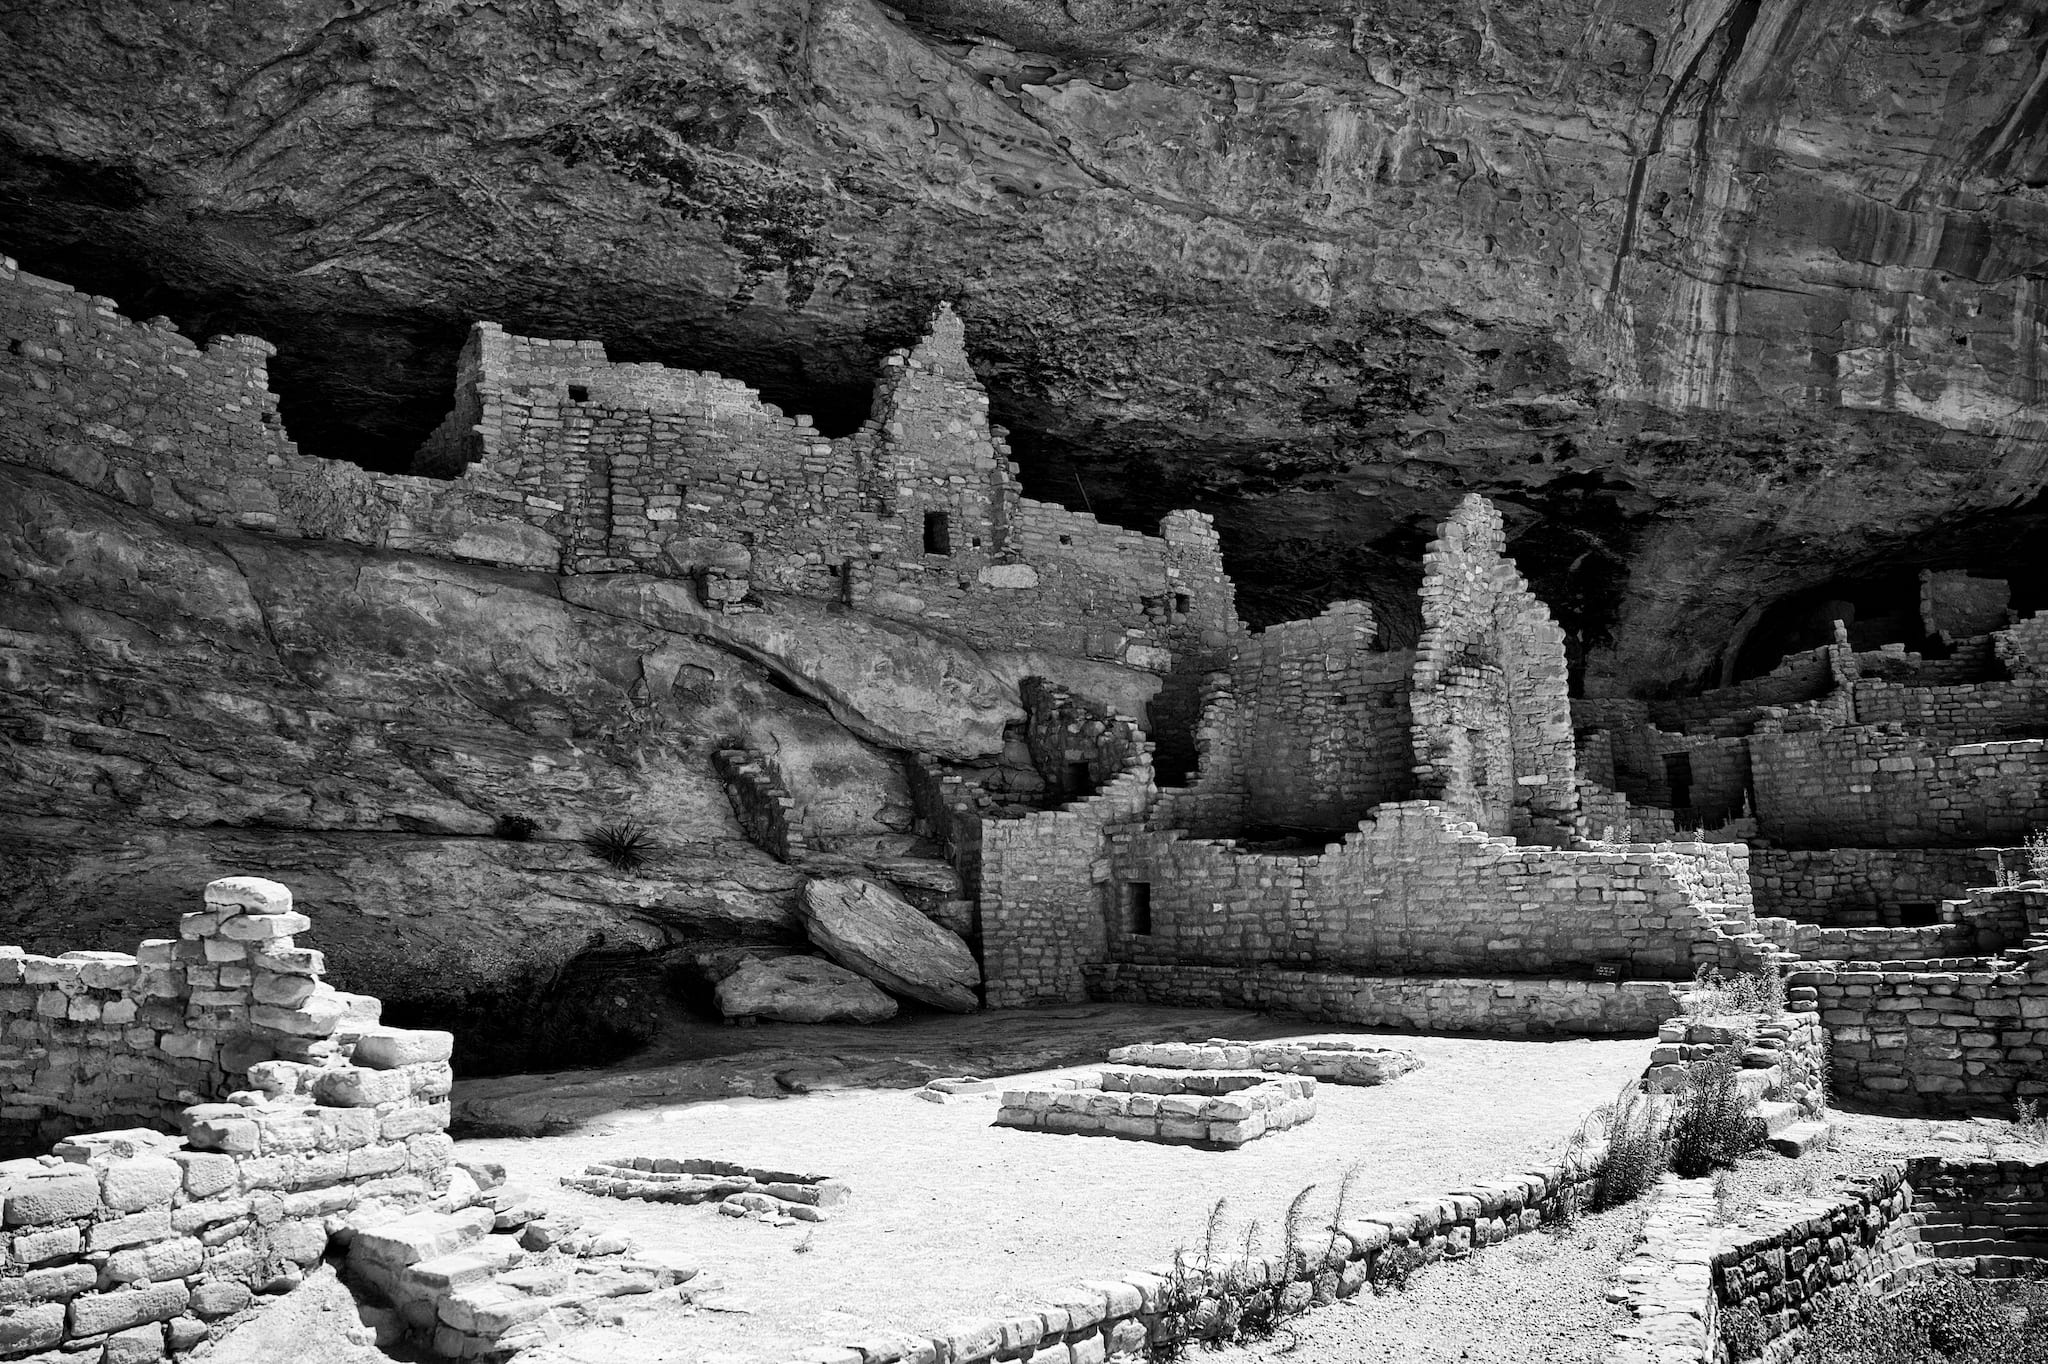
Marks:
<point>1505,1005</point>
<point>1865,887</point>
<point>1866,787</point>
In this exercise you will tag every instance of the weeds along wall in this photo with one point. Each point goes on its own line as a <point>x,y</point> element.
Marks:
<point>1866,787</point>
<point>1413,889</point>
<point>1492,725</point>
<point>557,460</point>
<point>149,1243</point>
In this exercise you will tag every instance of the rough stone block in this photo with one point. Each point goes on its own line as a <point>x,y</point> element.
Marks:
<point>122,1308</point>
<point>249,895</point>
<point>52,1195</point>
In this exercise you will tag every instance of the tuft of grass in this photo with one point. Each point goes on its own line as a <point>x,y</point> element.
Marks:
<point>2036,846</point>
<point>1715,1123</point>
<point>1745,992</point>
<point>516,828</point>
<point>2030,1124</point>
<point>1638,1152</point>
<point>624,846</point>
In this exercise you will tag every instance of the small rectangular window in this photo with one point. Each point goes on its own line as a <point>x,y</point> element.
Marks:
<point>938,537</point>
<point>578,393</point>
<point>1182,603</point>
<point>1080,784</point>
<point>1066,539</point>
<point>1138,908</point>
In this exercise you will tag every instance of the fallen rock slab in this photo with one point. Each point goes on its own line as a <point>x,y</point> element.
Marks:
<point>802,990</point>
<point>867,929</point>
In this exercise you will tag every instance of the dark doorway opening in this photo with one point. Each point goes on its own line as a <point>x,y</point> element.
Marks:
<point>938,536</point>
<point>1678,775</point>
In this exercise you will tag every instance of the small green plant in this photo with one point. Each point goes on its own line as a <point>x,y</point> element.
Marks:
<point>2030,1124</point>
<point>1714,1123</point>
<point>623,847</point>
<point>1746,992</point>
<point>2036,846</point>
<point>804,1246</point>
<point>516,828</point>
<point>1949,1318</point>
<point>1638,1153</point>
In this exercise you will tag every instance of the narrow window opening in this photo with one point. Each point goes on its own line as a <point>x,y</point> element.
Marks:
<point>1678,772</point>
<point>977,542</point>
<point>1079,783</point>
<point>1475,759</point>
<point>938,537</point>
<point>1066,539</point>
<point>1182,603</point>
<point>1138,908</point>
<point>579,393</point>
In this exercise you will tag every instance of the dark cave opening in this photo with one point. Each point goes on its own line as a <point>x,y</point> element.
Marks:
<point>1879,601</point>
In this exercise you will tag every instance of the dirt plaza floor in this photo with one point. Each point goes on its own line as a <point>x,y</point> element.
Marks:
<point>952,1218</point>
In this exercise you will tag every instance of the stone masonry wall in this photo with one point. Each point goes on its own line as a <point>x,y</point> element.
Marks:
<point>1977,713</point>
<point>1870,787</point>
<point>1414,890</point>
<point>1076,745</point>
<point>1503,1004</point>
<point>93,1038</point>
<point>2022,648</point>
<point>1864,887</point>
<point>133,1244</point>
<point>1043,912</point>
<point>1933,1041</point>
<point>1492,725</point>
<point>1322,722</point>
<point>555,459</point>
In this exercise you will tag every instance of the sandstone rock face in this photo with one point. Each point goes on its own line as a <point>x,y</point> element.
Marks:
<point>187,704</point>
<point>1724,300</point>
<point>865,928</point>
<point>802,990</point>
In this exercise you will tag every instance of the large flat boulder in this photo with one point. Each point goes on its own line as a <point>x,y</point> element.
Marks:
<point>802,990</point>
<point>885,938</point>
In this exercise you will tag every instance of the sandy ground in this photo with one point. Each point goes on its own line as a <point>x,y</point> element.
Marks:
<point>952,1218</point>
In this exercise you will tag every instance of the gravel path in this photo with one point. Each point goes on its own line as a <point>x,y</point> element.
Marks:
<point>1534,1299</point>
<point>952,1218</point>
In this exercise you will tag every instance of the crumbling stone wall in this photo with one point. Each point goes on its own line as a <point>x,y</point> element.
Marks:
<point>555,459</point>
<point>1413,890</point>
<point>147,1242</point>
<point>93,1038</point>
<point>1320,725</point>
<point>1874,787</point>
<point>2022,648</point>
<point>1492,726</point>
<point>1076,746</point>
<point>1798,679</point>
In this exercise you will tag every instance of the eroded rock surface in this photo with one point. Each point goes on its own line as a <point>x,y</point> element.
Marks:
<point>802,990</point>
<point>864,927</point>
<point>1724,301</point>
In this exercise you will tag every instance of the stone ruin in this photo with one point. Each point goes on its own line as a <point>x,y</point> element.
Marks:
<point>303,1127</point>
<point>1175,809</point>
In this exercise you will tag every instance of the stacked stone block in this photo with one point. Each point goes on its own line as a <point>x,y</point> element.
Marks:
<point>1865,887</point>
<point>1076,745</point>
<point>1937,1041</point>
<point>1492,726</point>
<point>1330,1062</point>
<point>131,1244</point>
<point>1209,1108</point>
<point>664,1179</point>
<point>1413,890</point>
<point>1980,712</point>
<point>1515,1006</point>
<point>765,808</point>
<point>2022,648</point>
<point>1871,787</point>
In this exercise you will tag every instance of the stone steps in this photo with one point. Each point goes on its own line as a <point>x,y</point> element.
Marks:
<point>1796,1139</point>
<point>494,1277</point>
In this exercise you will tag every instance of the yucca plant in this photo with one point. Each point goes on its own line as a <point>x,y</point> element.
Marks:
<point>624,846</point>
